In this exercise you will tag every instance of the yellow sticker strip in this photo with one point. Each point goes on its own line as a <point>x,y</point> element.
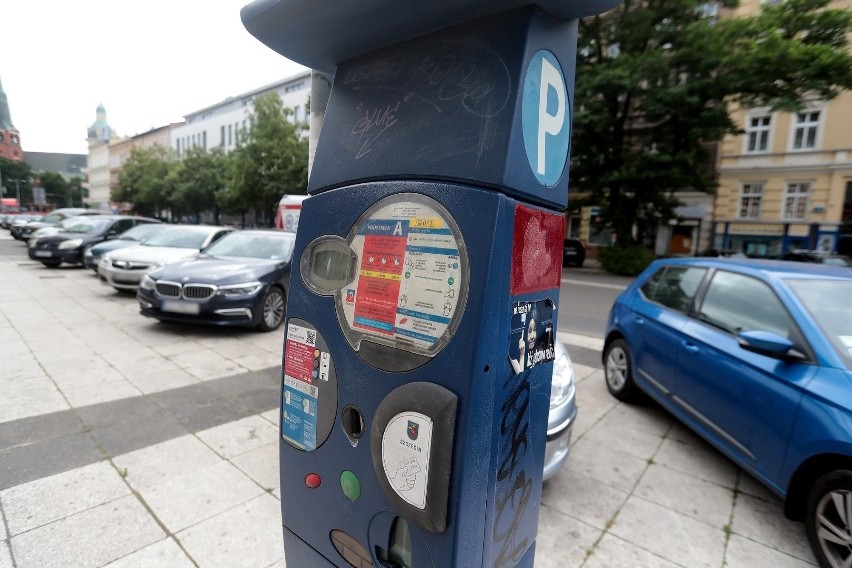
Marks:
<point>425,223</point>
<point>384,275</point>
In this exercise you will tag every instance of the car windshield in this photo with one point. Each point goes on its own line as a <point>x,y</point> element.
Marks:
<point>834,318</point>
<point>178,237</point>
<point>141,232</point>
<point>272,247</point>
<point>89,226</point>
<point>53,218</point>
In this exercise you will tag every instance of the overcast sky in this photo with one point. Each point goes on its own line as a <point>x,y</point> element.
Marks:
<point>149,63</point>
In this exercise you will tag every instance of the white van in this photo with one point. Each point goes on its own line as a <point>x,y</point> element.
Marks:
<point>289,209</point>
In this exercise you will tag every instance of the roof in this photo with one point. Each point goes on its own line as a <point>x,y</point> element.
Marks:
<point>320,35</point>
<point>56,162</point>
<point>767,268</point>
<point>249,94</point>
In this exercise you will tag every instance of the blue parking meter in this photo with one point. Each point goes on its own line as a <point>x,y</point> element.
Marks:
<point>423,298</point>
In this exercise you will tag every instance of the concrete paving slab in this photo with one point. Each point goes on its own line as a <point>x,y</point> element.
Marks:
<point>104,392</point>
<point>698,459</point>
<point>261,465</point>
<point>239,437</point>
<point>165,553</point>
<point>159,462</point>
<point>688,495</point>
<point>562,540</point>
<point>648,417</point>
<point>162,380</point>
<point>5,555</point>
<point>624,438</point>
<point>750,486</point>
<point>749,554</point>
<point>184,500</point>
<point>272,416</point>
<point>46,457</point>
<point>259,542</point>
<point>587,500</point>
<point>31,505</point>
<point>613,552</point>
<point>88,539</point>
<point>675,537</point>
<point>764,522</point>
<point>90,378</point>
<point>616,469</point>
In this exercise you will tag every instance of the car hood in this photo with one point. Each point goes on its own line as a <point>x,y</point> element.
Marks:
<point>59,237</point>
<point>219,270</point>
<point>103,248</point>
<point>152,255</point>
<point>35,225</point>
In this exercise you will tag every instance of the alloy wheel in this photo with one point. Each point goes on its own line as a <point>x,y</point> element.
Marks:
<point>616,368</point>
<point>834,527</point>
<point>273,309</point>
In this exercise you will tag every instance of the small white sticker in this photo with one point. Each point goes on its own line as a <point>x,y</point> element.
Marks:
<point>301,334</point>
<point>324,363</point>
<point>406,444</point>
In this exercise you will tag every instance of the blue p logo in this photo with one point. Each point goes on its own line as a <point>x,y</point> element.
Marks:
<point>546,118</point>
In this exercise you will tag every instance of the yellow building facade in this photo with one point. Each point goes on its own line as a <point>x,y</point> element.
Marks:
<point>786,183</point>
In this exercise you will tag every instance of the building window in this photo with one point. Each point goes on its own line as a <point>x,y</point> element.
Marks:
<point>757,133</point>
<point>750,196</point>
<point>805,130</point>
<point>293,88</point>
<point>230,138</point>
<point>204,139</point>
<point>796,201</point>
<point>14,138</point>
<point>178,146</point>
<point>222,136</point>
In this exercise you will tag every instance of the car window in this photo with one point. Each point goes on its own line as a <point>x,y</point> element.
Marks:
<point>674,286</point>
<point>88,226</point>
<point>178,237</point>
<point>272,247</point>
<point>736,303</point>
<point>123,225</point>
<point>141,232</point>
<point>820,298</point>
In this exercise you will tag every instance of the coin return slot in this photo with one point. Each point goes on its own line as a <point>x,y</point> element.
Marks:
<point>353,424</point>
<point>398,554</point>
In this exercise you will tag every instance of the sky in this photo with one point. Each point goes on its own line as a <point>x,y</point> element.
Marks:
<point>149,63</point>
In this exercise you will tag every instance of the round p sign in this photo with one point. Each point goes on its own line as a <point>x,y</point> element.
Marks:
<point>546,118</point>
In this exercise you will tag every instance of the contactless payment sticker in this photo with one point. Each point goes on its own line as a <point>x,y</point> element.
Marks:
<point>406,443</point>
<point>411,283</point>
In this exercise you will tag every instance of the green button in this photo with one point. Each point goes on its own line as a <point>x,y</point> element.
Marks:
<point>350,485</point>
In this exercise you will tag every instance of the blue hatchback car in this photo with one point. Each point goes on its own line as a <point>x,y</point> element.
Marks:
<point>755,357</point>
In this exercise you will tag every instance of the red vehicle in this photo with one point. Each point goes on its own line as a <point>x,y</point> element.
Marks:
<point>287,215</point>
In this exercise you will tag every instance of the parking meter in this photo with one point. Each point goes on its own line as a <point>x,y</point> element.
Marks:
<point>424,293</point>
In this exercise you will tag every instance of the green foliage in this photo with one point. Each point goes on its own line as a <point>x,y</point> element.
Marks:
<point>12,171</point>
<point>654,80</point>
<point>144,180</point>
<point>196,181</point>
<point>271,159</point>
<point>625,261</point>
<point>57,190</point>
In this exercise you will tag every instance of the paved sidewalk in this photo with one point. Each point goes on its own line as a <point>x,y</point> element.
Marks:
<point>124,443</point>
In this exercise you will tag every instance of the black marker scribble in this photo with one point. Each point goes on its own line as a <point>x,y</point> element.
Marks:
<point>514,488</point>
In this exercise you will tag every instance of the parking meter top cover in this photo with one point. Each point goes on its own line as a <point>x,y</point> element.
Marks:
<point>410,280</point>
<point>320,35</point>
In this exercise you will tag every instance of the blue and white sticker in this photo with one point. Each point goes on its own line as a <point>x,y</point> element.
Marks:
<point>546,118</point>
<point>299,413</point>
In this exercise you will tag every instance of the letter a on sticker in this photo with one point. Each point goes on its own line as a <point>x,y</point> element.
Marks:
<point>549,123</point>
<point>398,229</point>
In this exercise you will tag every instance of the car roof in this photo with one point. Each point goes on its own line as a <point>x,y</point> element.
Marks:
<point>266,232</point>
<point>765,268</point>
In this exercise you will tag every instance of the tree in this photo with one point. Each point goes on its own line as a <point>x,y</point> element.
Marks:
<point>271,159</point>
<point>144,180</point>
<point>56,189</point>
<point>197,180</point>
<point>654,81</point>
<point>16,175</point>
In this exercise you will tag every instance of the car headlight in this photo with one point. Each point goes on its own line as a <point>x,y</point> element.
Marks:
<point>70,244</point>
<point>562,387</point>
<point>147,283</point>
<point>247,289</point>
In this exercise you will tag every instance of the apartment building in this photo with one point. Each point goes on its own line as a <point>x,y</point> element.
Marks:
<point>786,183</point>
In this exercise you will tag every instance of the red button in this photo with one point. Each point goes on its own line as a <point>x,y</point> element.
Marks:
<point>312,480</point>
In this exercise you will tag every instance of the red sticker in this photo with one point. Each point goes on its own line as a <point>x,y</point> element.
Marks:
<point>299,361</point>
<point>536,250</point>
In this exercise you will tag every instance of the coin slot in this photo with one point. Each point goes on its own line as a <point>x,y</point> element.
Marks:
<point>353,424</point>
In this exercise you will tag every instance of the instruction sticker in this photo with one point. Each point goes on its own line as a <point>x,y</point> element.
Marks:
<point>410,276</point>
<point>532,334</point>
<point>300,352</point>
<point>405,456</point>
<point>299,413</point>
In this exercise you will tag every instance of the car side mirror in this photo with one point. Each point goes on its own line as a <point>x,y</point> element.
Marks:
<point>769,344</point>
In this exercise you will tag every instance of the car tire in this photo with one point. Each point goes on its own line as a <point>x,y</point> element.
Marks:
<point>618,371</point>
<point>824,522</point>
<point>273,307</point>
<point>51,263</point>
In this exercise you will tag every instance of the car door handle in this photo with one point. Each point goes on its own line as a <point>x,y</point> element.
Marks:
<point>689,346</point>
<point>640,321</point>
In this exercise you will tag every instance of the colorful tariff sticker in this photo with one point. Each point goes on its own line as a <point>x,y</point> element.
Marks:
<point>300,352</point>
<point>299,413</point>
<point>532,334</point>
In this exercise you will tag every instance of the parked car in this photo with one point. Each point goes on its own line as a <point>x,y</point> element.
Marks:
<point>819,257</point>
<point>123,269</point>
<point>573,253</point>
<point>23,233</point>
<point>68,245</point>
<point>242,280</point>
<point>131,237</point>
<point>20,220</point>
<point>563,412</point>
<point>53,229</point>
<point>756,357</point>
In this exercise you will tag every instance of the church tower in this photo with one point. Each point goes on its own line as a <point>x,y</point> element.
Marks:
<point>10,138</point>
